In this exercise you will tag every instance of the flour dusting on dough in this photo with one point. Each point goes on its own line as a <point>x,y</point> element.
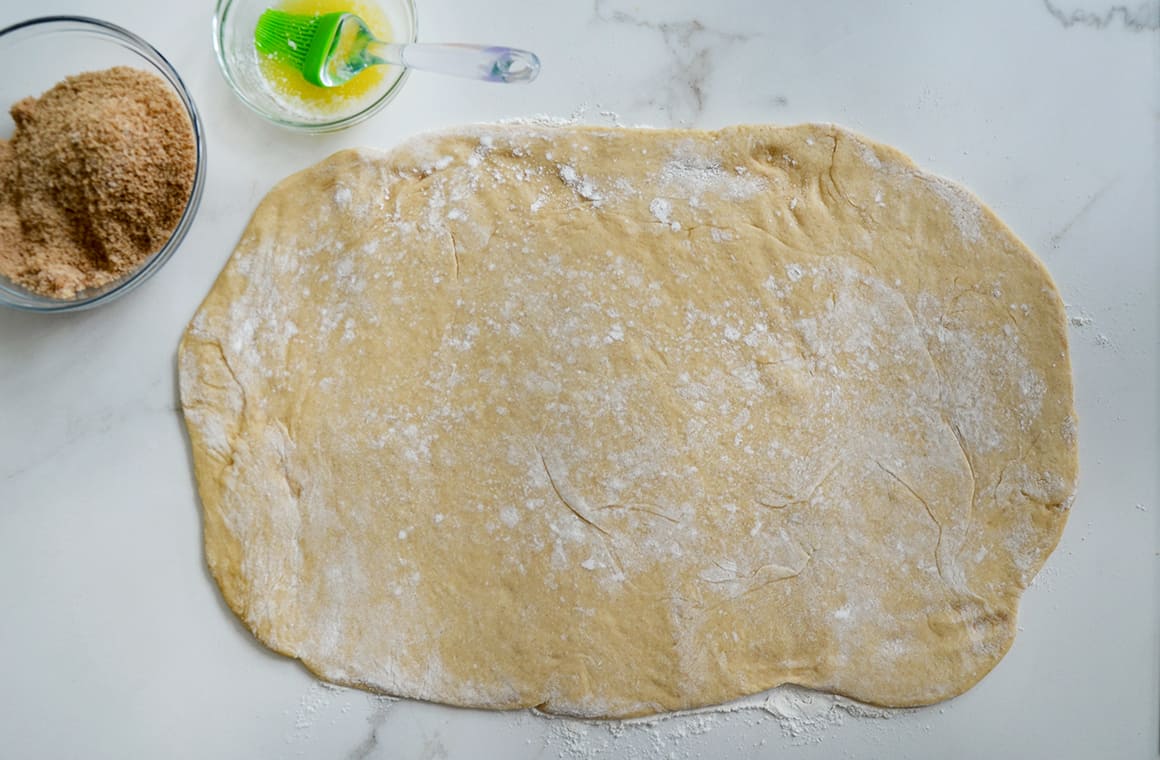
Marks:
<point>586,419</point>
<point>964,210</point>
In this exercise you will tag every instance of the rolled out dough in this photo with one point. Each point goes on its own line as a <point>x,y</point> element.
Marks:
<point>613,422</point>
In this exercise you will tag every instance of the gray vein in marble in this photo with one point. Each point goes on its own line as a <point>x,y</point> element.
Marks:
<point>1059,235</point>
<point>1145,16</point>
<point>78,429</point>
<point>692,48</point>
<point>433,749</point>
<point>381,707</point>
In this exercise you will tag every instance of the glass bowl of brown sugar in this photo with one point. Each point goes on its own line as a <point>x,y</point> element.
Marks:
<point>102,163</point>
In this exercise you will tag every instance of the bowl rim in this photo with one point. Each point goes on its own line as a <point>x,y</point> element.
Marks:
<point>222,7</point>
<point>16,297</point>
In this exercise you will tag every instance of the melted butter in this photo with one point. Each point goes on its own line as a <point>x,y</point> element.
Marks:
<point>289,84</point>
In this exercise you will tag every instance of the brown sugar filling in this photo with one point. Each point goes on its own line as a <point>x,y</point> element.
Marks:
<point>93,181</point>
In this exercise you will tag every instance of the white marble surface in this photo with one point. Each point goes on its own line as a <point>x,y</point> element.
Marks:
<point>113,639</point>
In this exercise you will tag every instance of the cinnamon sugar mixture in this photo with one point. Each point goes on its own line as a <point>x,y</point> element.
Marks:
<point>93,181</point>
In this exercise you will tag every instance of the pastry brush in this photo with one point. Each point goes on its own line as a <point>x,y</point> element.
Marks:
<point>331,48</point>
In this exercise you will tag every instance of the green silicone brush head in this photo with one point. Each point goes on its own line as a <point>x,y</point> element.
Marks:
<point>299,40</point>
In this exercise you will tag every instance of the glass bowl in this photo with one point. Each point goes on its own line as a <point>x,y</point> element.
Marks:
<point>39,53</point>
<point>233,40</point>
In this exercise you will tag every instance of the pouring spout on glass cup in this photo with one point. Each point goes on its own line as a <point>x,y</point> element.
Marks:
<point>333,48</point>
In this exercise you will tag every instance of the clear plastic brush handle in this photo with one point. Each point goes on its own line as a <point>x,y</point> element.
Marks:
<point>491,63</point>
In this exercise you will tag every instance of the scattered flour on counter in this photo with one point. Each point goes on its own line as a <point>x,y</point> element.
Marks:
<point>613,118</point>
<point>803,717</point>
<point>805,714</point>
<point>312,705</point>
<point>579,115</point>
<point>325,704</point>
<point>1080,319</point>
<point>1045,579</point>
<point>540,120</point>
<point>1077,317</point>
